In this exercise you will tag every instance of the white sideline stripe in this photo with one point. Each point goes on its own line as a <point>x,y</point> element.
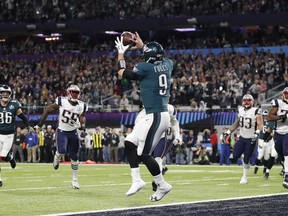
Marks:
<point>165,205</point>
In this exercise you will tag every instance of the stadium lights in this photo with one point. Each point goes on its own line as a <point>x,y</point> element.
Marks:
<point>185,29</point>
<point>112,32</point>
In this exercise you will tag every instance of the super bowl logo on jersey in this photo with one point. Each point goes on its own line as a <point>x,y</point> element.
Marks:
<point>11,107</point>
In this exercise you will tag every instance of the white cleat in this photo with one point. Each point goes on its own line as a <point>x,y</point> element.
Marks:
<point>56,162</point>
<point>75,184</point>
<point>161,192</point>
<point>243,180</point>
<point>135,187</point>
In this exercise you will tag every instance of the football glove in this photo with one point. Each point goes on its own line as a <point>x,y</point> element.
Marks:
<point>256,134</point>
<point>119,45</point>
<point>176,142</point>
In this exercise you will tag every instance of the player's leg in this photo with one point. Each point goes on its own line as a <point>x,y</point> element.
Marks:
<point>260,155</point>
<point>6,154</point>
<point>73,150</point>
<point>61,147</point>
<point>278,140</point>
<point>285,153</point>
<point>248,151</point>
<point>131,144</point>
<point>157,127</point>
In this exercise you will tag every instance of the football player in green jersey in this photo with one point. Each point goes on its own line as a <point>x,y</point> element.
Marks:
<point>9,109</point>
<point>154,76</point>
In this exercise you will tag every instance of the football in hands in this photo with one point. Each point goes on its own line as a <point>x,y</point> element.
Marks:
<point>127,36</point>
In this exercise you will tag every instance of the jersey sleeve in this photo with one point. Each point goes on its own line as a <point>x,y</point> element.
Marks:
<point>274,103</point>
<point>58,101</point>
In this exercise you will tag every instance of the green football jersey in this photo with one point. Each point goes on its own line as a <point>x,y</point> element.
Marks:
<point>7,117</point>
<point>155,81</point>
<point>266,125</point>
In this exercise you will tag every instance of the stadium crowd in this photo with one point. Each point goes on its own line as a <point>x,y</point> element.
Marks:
<point>16,11</point>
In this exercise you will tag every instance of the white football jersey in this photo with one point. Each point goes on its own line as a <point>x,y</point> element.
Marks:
<point>69,114</point>
<point>248,122</point>
<point>281,125</point>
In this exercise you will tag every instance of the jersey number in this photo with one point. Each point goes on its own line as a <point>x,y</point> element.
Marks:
<point>69,117</point>
<point>5,118</point>
<point>245,122</point>
<point>163,84</point>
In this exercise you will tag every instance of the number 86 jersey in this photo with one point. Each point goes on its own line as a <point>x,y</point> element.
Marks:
<point>247,121</point>
<point>69,114</point>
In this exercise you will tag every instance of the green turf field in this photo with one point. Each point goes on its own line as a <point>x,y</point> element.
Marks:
<point>38,189</point>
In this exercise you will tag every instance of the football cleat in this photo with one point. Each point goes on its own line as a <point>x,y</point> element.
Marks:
<point>256,170</point>
<point>154,186</point>
<point>56,162</point>
<point>285,182</point>
<point>164,170</point>
<point>75,184</point>
<point>13,163</point>
<point>243,180</point>
<point>1,183</point>
<point>266,175</point>
<point>161,192</point>
<point>135,187</point>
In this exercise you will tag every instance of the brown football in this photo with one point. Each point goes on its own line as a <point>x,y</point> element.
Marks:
<point>127,36</point>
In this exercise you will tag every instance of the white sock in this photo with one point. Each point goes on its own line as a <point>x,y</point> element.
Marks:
<point>159,161</point>
<point>74,166</point>
<point>159,180</point>
<point>135,174</point>
<point>246,168</point>
<point>286,164</point>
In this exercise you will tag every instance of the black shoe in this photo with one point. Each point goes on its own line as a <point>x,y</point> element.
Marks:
<point>1,183</point>
<point>154,186</point>
<point>266,175</point>
<point>256,170</point>
<point>13,163</point>
<point>164,170</point>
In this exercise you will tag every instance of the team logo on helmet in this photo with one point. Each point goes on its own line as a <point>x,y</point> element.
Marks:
<point>153,51</point>
<point>247,101</point>
<point>5,92</point>
<point>73,93</point>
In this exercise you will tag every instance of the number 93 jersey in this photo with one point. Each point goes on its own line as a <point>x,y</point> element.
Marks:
<point>248,122</point>
<point>69,114</point>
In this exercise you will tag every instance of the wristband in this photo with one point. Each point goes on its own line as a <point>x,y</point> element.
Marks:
<point>121,64</point>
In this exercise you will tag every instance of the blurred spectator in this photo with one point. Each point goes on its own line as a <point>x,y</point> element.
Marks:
<point>214,143</point>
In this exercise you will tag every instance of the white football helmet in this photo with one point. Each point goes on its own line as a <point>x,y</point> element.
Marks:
<point>5,92</point>
<point>247,101</point>
<point>285,94</point>
<point>73,93</point>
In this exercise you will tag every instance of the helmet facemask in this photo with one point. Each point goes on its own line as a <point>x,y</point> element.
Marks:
<point>73,93</point>
<point>5,92</point>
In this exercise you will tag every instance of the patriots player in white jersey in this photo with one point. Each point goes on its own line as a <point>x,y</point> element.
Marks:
<point>71,117</point>
<point>164,144</point>
<point>250,122</point>
<point>279,114</point>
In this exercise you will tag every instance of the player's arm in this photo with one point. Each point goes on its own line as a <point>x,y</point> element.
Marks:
<point>259,120</point>
<point>82,120</point>
<point>234,126</point>
<point>51,108</point>
<point>272,115</point>
<point>20,114</point>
